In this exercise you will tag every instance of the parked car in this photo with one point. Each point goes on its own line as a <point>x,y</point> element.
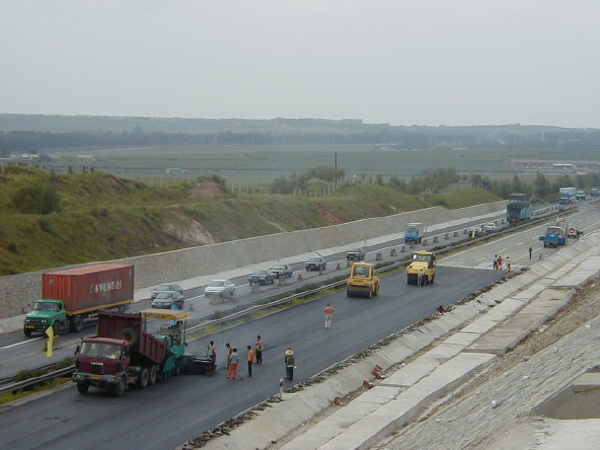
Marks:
<point>490,226</point>
<point>475,231</point>
<point>166,287</point>
<point>166,299</point>
<point>219,288</point>
<point>262,277</point>
<point>356,254</point>
<point>316,263</point>
<point>282,270</point>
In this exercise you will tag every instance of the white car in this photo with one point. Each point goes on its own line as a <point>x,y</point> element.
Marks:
<point>490,226</point>
<point>219,288</point>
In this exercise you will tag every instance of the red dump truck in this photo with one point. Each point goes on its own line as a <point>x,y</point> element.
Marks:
<point>126,354</point>
<point>72,297</point>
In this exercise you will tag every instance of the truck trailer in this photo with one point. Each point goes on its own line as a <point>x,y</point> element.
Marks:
<point>72,297</point>
<point>129,352</point>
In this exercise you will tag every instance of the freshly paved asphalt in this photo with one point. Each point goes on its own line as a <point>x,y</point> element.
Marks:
<point>167,414</point>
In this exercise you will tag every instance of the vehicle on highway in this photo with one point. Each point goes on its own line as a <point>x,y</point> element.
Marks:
<point>362,281</point>
<point>554,236</point>
<point>284,270</point>
<point>73,297</point>
<point>518,208</point>
<point>475,231</point>
<point>356,254</point>
<point>490,227</point>
<point>414,233</point>
<point>262,277</point>
<point>166,300</point>
<point>573,232</point>
<point>166,287</point>
<point>316,263</point>
<point>421,270</point>
<point>124,354</point>
<point>219,288</point>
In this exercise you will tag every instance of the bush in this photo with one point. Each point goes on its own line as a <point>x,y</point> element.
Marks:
<point>41,199</point>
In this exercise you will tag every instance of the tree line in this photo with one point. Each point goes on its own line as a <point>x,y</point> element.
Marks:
<point>395,137</point>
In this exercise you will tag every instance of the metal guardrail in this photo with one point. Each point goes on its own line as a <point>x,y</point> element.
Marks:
<point>32,381</point>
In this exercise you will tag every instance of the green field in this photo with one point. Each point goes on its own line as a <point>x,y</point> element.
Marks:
<point>254,165</point>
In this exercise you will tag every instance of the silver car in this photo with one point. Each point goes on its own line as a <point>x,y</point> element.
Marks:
<point>219,288</point>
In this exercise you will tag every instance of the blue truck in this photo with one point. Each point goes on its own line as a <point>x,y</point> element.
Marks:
<point>414,233</point>
<point>518,208</point>
<point>555,236</point>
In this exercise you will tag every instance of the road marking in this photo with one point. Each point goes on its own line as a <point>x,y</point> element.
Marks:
<point>21,343</point>
<point>521,243</point>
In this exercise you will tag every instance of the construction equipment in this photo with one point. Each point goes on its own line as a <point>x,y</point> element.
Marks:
<point>422,269</point>
<point>128,352</point>
<point>362,282</point>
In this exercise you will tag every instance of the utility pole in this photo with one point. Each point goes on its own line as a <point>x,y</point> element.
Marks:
<point>335,173</point>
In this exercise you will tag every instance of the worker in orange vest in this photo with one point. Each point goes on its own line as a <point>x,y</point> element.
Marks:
<point>250,359</point>
<point>329,310</point>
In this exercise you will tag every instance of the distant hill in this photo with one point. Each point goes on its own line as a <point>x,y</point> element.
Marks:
<point>35,133</point>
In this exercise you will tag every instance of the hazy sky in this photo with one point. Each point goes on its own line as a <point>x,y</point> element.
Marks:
<point>405,62</point>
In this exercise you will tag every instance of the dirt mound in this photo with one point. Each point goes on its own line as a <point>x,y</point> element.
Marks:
<point>206,188</point>
<point>328,216</point>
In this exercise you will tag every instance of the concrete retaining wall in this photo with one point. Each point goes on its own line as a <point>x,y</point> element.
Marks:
<point>17,292</point>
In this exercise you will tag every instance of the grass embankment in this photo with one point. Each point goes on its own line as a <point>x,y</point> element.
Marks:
<point>53,220</point>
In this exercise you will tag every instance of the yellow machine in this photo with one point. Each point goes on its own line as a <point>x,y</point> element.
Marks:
<point>422,269</point>
<point>362,282</point>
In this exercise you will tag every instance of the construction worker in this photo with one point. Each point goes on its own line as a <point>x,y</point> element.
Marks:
<point>211,354</point>
<point>250,359</point>
<point>508,266</point>
<point>329,310</point>
<point>289,363</point>
<point>259,347</point>
<point>499,262</point>
<point>233,364</point>
<point>530,251</point>
<point>495,262</point>
<point>228,353</point>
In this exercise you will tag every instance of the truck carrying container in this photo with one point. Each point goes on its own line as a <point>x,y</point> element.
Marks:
<point>72,297</point>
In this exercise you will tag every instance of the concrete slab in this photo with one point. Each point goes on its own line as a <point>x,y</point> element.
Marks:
<point>463,338</point>
<point>515,329</point>
<point>482,325</point>
<point>375,426</point>
<point>587,382</point>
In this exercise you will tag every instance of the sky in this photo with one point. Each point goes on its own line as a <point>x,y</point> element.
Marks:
<point>403,62</point>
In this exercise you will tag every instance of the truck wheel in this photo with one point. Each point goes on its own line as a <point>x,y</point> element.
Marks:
<point>153,374</point>
<point>83,387</point>
<point>76,324</point>
<point>119,389</point>
<point>143,379</point>
<point>27,332</point>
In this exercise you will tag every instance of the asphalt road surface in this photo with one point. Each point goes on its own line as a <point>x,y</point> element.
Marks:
<point>168,414</point>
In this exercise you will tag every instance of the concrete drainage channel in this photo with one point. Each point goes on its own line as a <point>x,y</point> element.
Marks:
<point>418,374</point>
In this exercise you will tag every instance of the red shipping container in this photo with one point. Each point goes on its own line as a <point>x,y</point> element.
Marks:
<point>90,287</point>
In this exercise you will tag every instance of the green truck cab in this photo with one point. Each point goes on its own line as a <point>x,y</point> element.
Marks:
<point>45,314</point>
